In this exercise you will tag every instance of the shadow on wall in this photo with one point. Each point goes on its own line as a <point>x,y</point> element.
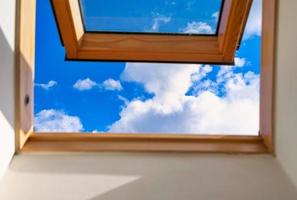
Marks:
<point>117,176</point>
<point>8,94</point>
<point>6,80</point>
<point>7,103</point>
<point>8,72</point>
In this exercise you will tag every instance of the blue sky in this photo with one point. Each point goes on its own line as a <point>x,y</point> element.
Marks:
<point>144,97</point>
<point>159,16</point>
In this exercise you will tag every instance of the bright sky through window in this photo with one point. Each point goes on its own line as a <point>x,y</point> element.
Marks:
<point>154,16</point>
<point>77,96</point>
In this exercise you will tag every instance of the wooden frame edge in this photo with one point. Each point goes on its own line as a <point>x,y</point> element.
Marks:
<point>233,26</point>
<point>24,71</point>
<point>210,144</point>
<point>267,74</point>
<point>70,25</point>
<point>147,48</point>
<point>63,142</point>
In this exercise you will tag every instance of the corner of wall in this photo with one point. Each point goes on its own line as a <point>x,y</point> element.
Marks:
<point>7,85</point>
<point>286,89</point>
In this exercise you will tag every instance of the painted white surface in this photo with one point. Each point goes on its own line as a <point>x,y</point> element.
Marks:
<point>136,176</point>
<point>286,88</point>
<point>7,38</point>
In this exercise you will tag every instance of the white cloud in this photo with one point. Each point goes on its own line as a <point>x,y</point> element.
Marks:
<point>216,15</point>
<point>198,28</point>
<point>85,84</point>
<point>158,20</point>
<point>88,84</point>
<point>205,85</point>
<point>124,100</point>
<point>240,62</point>
<point>172,111</point>
<point>97,131</point>
<point>160,79</point>
<point>56,121</point>
<point>254,23</point>
<point>227,69</point>
<point>46,86</point>
<point>111,84</point>
<point>201,72</point>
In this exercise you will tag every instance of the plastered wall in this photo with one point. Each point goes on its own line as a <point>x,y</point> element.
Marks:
<point>7,45</point>
<point>286,87</point>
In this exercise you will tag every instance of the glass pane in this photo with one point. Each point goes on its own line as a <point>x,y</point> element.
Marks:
<point>152,16</point>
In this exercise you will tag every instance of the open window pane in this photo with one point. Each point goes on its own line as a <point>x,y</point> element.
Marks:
<point>154,16</point>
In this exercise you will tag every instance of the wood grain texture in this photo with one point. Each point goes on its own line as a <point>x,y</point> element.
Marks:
<point>140,47</point>
<point>151,48</point>
<point>234,17</point>
<point>267,73</point>
<point>25,61</point>
<point>70,31</point>
<point>63,142</point>
<point>77,21</point>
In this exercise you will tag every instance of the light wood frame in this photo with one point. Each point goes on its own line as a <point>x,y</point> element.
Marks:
<point>28,141</point>
<point>24,68</point>
<point>221,48</point>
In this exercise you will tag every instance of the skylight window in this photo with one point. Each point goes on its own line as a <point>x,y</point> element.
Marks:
<point>154,16</point>
<point>208,105</point>
<point>138,98</point>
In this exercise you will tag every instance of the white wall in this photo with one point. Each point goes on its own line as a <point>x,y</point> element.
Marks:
<point>7,39</point>
<point>286,88</point>
<point>140,176</point>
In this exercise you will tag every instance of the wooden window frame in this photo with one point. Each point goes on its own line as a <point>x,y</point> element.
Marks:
<point>28,141</point>
<point>220,48</point>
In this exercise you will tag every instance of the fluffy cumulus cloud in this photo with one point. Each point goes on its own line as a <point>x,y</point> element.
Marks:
<point>160,80</point>
<point>85,84</point>
<point>231,108</point>
<point>227,69</point>
<point>88,84</point>
<point>198,28</point>
<point>111,84</point>
<point>254,23</point>
<point>56,121</point>
<point>47,86</point>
